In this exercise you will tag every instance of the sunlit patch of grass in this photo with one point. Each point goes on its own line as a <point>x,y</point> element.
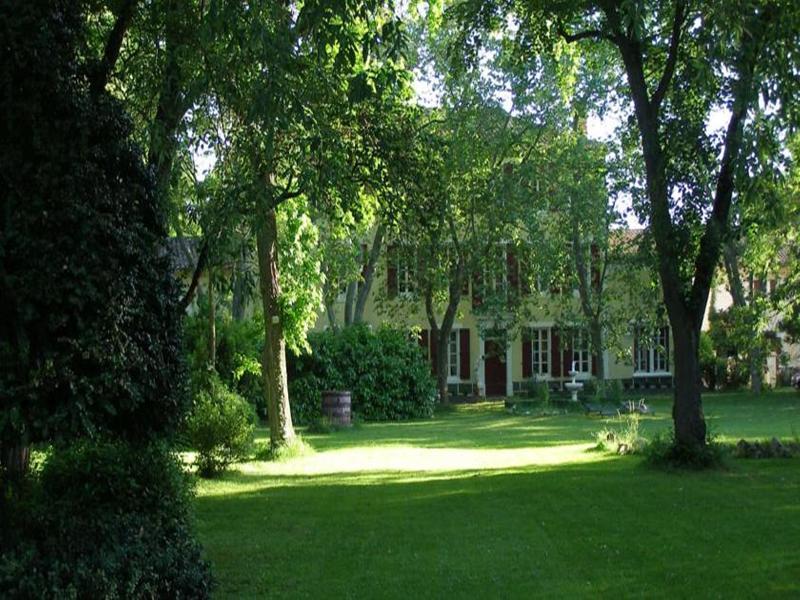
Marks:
<point>479,503</point>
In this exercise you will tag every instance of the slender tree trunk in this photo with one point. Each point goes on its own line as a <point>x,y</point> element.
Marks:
<point>100,78</point>
<point>239,286</point>
<point>730,257</point>
<point>440,334</point>
<point>369,274</point>
<point>15,461</point>
<point>196,274</point>
<point>212,321</point>
<point>596,333</point>
<point>273,362</point>
<point>349,303</point>
<point>331,314</point>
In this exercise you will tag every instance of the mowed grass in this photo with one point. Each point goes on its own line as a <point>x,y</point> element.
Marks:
<point>477,503</point>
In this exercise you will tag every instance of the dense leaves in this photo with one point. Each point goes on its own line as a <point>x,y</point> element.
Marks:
<point>385,371</point>
<point>89,338</point>
<point>105,520</point>
<point>220,428</point>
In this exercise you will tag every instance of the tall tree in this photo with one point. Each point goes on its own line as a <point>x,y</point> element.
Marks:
<point>681,61</point>
<point>287,83</point>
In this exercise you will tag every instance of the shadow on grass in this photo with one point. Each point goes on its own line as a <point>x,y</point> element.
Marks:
<point>603,528</point>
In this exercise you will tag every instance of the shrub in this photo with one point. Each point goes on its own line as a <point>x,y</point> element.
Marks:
<point>623,439</point>
<point>104,520</point>
<point>664,451</point>
<point>384,369</point>
<point>239,348</point>
<point>220,428</point>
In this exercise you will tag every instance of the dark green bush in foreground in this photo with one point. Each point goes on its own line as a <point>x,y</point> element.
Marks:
<point>384,370</point>
<point>220,428</point>
<point>104,520</point>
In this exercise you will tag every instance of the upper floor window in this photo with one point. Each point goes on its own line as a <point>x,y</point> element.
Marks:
<point>405,275</point>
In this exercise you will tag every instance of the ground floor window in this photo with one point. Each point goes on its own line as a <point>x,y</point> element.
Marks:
<point>453,354</point>
<point>540,351</point>
<point>651,351</point>
<point>581,354</point>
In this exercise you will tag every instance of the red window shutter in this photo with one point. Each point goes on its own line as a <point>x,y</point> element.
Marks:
<point>594,364</point>
<point>512,268</point>
<point>555,352</point>
<point>527,354</point>
<point>464,366</point>
<point>434,351</point>
<point>424,343</point>
<point>391,271</point>
<point>566,354</point>
<point>525,286</point>
<point>477,298</point>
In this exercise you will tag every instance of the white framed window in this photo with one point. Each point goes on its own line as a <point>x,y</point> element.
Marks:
<point>540,351</point>
<point>581,355</point>
<point>652,355</point>
<point>453,354</point>
<point>405,275</point>
<point>495,276</point>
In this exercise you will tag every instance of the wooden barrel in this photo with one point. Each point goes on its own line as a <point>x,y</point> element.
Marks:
<point>336,406</point>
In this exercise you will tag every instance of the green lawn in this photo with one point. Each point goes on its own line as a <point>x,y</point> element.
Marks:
<point>476,503</point>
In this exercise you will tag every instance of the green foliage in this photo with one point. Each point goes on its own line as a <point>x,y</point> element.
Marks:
<point>104,520</point>
<point>385,371</point>
<point>624,438</point>
<point>220,428</point>
<point>89,338</point>
<point>665,452</point>
<point>239,348</point>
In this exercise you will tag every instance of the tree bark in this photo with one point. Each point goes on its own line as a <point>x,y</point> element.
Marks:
<point>212,321</point>
<point>273,361</point>
<point>730,256</point>
<point>15,461</point>
<point>369,274</point>
<point>440,334</point>
<point>198,271</point>
<point>687,410</point>
<point>349,303</point>
<point>112,48</point>
<point>239,299</point>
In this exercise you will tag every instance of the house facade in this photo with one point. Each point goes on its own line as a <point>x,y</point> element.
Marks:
<point>489,355</point>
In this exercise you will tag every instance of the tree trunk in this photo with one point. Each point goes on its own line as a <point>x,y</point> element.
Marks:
<point>687,409</point>
<point>15,461</point>
<point>273,361</point>
<point>240,285</point>
<point>349,301</point>
<point>730,256</point>
<point>212,321</point>
<point>442,365</point>
<point>369,274</point>
<point>596,334</point>
<point>330,311</point>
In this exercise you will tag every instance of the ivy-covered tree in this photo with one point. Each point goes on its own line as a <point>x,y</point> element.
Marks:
<point>89,339</point>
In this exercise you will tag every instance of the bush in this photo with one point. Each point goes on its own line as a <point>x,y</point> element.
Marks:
<point>239,348</point>
<point>384,369</point>
<point>220,428</point>
<point>664,451</point>
<point>104,520</point>
<point>623,439</point>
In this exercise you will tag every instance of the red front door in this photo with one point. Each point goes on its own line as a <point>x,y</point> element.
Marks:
<point>494,360</point>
